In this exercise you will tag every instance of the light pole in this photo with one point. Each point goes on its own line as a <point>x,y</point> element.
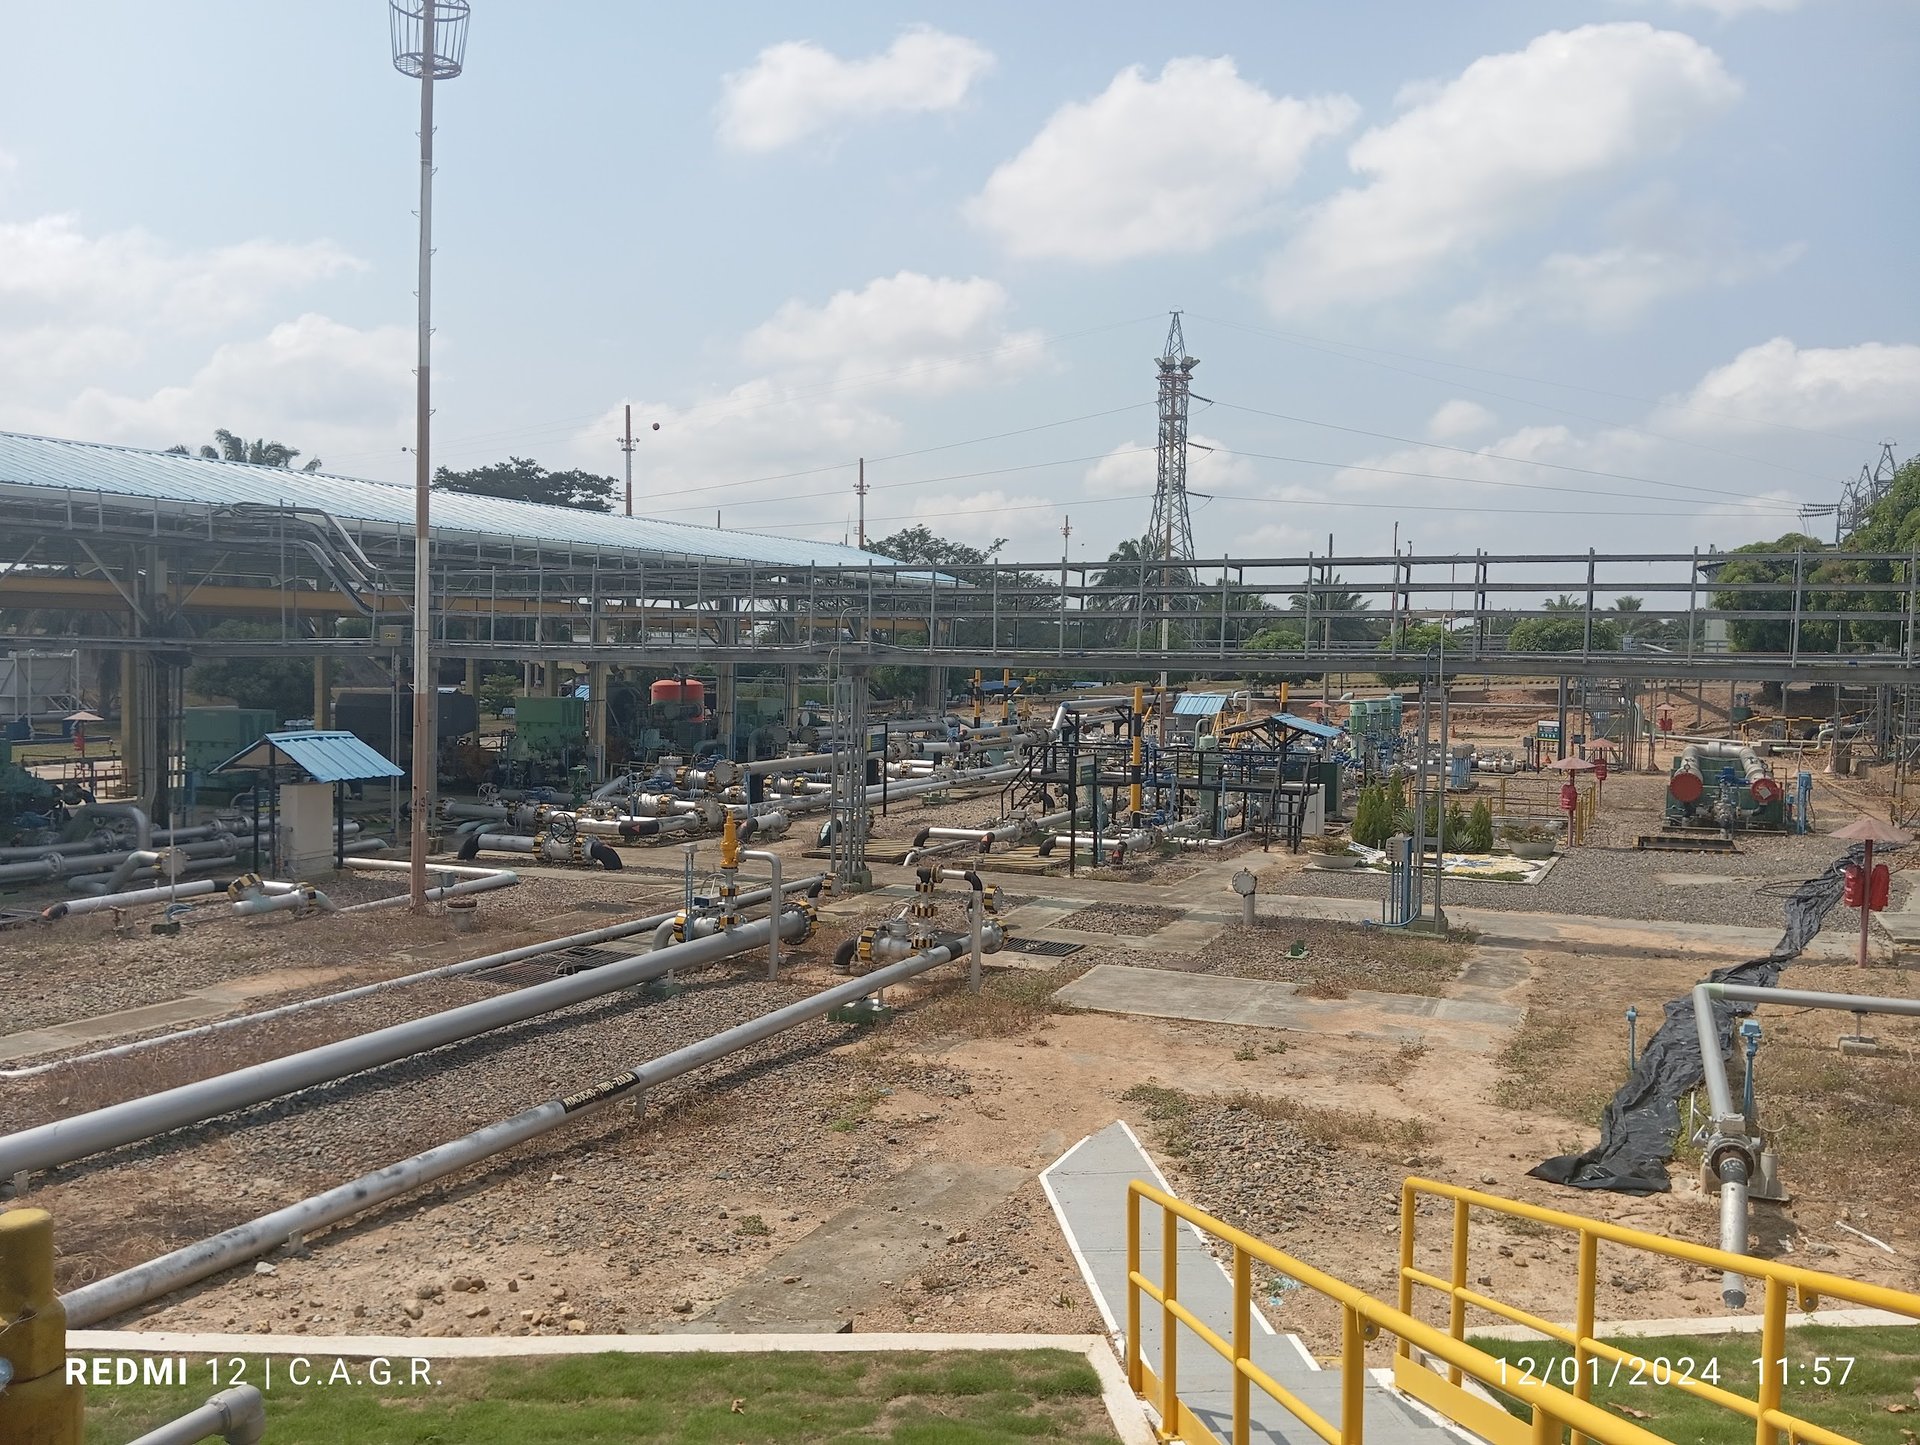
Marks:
<point>429,42</point>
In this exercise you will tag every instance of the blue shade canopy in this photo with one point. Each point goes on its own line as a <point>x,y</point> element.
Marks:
<point>324,757</point>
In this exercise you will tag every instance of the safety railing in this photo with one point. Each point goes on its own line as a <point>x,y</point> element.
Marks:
<point>1782,1283</point>
<point>1363,1318</point>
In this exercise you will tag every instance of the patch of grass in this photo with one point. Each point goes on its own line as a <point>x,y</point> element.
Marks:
<point>753,1224</point>
<point>1169,1108</point>
<point>1011,1002</point>
<point>1532,1064</point>
<point>1159,1103</point>
<point>989,1398</point>
<point>852,1110</point>
<point>1844,1379</point>
<point>1246,1053</point>
<point>1405,1060</point>
<point>1334,1126</point>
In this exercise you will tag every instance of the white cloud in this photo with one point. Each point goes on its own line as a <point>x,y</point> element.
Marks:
<point>1611,289</point>
<point>1132,467</point>
<point>819,402</point>
<point>1864,386</point>
<point>977,518</point>
<point>52,270</point>
<point>1458,418</point>
<point>907,332</point>
<point>311,382</point>
<point>1493,149</point>
<point>797,88</point>
<point>1153,165</point>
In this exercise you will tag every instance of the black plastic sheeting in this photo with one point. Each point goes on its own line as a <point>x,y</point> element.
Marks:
<point>1640,1123</point>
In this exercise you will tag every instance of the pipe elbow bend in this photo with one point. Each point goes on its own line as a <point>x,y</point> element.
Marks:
<point>606,857</point>
<point>469,848</point>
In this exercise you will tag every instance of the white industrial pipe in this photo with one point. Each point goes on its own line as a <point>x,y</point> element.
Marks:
<point>120,1292</point>
<point>65,1140</point>
<point>238,1416</point>
<point>495,878</point>
<point>1730,1146</point>
<point>449,970</point>
<point>68,907</point>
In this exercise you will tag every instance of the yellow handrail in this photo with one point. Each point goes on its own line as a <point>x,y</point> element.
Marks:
<point>1807,1286</point>
<point>1362,1318</point>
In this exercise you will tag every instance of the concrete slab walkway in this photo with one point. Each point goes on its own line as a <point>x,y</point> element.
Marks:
<point>830,1275</point>
<point>212,1002</point>
<point>1088,1189</point>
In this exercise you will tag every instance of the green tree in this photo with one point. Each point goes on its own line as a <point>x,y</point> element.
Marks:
<point>1421,639</point>
<point>521,479</point>
<point>1279,637</point>
<point>1752,565</point>
<point>1564,603</point>
<point>923,545</point>
<point>1333,610</point>
<point>1372,817</point>
<point>283,686</point>
<point>1562,633</point>
<point>498,690</point>
<point>259,453</point>
<point>1480,827</point>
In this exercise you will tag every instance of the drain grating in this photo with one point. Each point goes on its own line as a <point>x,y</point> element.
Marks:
<point>1043,946</point>
<point>544,970</point>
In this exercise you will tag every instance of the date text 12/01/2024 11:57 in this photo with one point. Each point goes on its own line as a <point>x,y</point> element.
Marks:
<point>1566,1371</point>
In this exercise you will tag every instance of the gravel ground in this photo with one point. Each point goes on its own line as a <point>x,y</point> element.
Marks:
<point>1130,918</point>
<point>1338,957</point>
<point>1622,883</point>
<point>81,967</point>
<point>281,1149</point>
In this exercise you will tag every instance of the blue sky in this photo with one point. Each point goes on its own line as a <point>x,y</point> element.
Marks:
<point>1612,274</point>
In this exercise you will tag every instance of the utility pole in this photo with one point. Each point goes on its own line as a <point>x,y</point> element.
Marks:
<point>626,445</point>
<point>860,491</point>
<point>1066,535</point>
<point>429,43</point>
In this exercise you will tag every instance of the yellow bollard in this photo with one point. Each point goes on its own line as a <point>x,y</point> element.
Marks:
<point>37,1406</point>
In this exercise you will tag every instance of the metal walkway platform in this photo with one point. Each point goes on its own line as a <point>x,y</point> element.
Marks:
<point>1087,1187</point>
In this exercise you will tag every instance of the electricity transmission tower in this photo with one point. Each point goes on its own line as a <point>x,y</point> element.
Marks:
<point>1170,535</point>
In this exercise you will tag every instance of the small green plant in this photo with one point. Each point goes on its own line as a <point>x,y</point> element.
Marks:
<point>753,1224</point>
<point>1458,827</point>
<point>1480,828</point>
<point>1329,846</point>
<point>1372,817</point>
<point>1399,813</point>
<point>1245,1053</point>
<point>1528,833</point>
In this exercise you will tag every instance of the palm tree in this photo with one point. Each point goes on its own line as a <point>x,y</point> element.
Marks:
<point>1630,625</point>
<point>1565,603</point>
<point>1331,606</point>
<point>259,452</point>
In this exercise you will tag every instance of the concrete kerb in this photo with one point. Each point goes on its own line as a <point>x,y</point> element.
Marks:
<point>1128,1416</point>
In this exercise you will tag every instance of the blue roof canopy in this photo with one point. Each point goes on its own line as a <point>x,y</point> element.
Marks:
<point>1307,725</point>
<point>324,757</point>
<point>1199,704</point>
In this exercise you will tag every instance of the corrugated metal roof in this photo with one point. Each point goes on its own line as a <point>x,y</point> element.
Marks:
<point>133,472</point>
<point>1308,725</point>
<point>324,757</point>
<point>1199,704</point>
